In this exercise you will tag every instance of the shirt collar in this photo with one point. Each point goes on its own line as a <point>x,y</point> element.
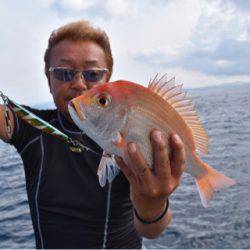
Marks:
<point>67,125</point>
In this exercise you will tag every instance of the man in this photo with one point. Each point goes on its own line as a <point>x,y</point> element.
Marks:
<point>68,207</point>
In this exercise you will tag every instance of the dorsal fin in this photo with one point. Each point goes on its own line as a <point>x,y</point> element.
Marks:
<point>178,99</point>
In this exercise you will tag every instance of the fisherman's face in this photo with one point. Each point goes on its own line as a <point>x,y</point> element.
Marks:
<point>77,55</point>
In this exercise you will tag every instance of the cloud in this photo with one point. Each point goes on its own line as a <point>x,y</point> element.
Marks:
<point>25,28</point>
<point>104,10</point>
<point>243,5</point>
<point>216,46</point>
<point>230,57</point>
<point>200,41</point>
<point>77,5</point>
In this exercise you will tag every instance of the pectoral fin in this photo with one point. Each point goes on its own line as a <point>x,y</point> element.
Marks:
<point>107,170</point>
<point>119,141</point>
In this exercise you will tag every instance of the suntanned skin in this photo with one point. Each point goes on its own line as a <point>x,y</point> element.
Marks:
<point>155,185</point>
<point>79,56</point>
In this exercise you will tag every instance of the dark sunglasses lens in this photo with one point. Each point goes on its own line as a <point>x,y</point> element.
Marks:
<point>65,75</point>
<point>93,75</point>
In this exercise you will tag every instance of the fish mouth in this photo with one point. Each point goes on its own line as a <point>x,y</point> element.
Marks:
<point>76,110</point>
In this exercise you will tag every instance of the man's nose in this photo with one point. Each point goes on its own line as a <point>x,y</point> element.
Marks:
<point>78,82</point>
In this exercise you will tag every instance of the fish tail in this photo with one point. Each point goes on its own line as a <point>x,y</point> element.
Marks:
<point>211,180</point>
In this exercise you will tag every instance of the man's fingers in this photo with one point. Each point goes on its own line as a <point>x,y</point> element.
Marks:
<point>129,174</point>
<point>160,153</point>
<point>178,156</point>
<point>138,162</point>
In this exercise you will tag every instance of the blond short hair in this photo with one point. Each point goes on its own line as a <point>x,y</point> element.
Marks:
<point>79,31</point>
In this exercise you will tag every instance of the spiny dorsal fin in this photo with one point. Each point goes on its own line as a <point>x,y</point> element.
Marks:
<point>178,99</point>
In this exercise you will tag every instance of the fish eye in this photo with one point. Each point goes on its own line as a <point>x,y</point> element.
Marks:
<point>103,100</point>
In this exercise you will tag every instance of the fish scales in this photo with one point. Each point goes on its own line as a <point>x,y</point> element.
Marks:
<point>138,120</point>
<point>167,115</point>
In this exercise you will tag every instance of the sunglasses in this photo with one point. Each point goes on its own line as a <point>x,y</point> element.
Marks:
<point>67,75</point>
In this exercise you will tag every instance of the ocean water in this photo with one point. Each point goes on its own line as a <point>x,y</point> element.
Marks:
<point>225,113</point>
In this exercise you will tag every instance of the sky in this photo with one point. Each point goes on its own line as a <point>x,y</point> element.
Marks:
<point>199,42</point>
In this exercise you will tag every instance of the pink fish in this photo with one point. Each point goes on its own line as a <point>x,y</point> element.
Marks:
<point>114,114</point>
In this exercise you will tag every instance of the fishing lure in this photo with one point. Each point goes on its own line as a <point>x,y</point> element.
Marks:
<point>37,122</point>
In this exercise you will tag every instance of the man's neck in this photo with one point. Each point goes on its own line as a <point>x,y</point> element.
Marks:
<point>67,123</point>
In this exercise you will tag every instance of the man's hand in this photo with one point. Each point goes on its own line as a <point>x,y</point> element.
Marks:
<point>3,134</point>
<point>151,187</point>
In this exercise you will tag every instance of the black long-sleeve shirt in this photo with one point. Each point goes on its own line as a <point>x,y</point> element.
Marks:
<point>68,207</point>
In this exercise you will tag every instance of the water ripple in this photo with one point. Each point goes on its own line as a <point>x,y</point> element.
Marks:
<point>224,224</point>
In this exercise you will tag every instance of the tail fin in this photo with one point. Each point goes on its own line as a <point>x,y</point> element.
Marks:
<point>211,181</point>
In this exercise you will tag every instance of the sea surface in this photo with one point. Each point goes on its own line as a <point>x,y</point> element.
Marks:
<point>225,113</point>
